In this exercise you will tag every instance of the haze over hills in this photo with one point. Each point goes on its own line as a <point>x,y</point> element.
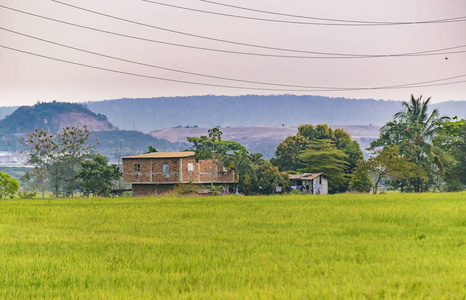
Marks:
<point>264,139</point>
<point>6,110</point>
<point>250,110</point>
<point>258,122</point>
<point>148,114</point>
<point>52,117</point>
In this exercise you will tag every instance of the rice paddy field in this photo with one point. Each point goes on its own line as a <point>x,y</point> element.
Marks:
<point>392,246</point>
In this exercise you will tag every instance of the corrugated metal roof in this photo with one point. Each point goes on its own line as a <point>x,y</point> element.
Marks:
<point>164,155</point>
<point>306,176</point>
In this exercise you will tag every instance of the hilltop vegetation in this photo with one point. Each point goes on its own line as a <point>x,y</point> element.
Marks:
<point>6,110</point>
<point>264,139</point>
<point>52,117</point>
<point>132,142</point>
<point>252,110</point>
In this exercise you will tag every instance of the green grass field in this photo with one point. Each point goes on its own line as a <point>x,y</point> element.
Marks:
<point>284,247</point>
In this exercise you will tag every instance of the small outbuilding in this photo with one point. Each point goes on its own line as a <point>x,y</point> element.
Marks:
<point>310,183</point>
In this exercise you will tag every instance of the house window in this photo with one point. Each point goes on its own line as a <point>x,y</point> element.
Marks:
<point>165,168</point>
<point>136,168</point>
<point>190,167</point>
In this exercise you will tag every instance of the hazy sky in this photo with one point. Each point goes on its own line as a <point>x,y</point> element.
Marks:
<point>26,79</point>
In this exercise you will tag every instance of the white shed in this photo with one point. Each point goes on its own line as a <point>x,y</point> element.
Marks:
<point>310,183</point>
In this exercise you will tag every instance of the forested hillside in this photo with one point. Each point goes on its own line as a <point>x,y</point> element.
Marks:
<point>6,110</point>
<point>251,110</point>
<point>132,142</point>
<point>52,117</point>
<point>248,110</point>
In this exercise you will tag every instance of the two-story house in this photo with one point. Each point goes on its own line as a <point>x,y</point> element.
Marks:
<point>157,173</point>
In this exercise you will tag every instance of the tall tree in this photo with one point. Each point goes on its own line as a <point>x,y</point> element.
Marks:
<point>214,148</point>
<point>150,149</point>
<point>240,163</point>
<point>97,175</point>
<point>256,159</point>
<point>41,153</point>
<point>266,179</point>
<point>323,156</point>
<point>413,130</point>
<point>73,149</point>
<point>388,163</point>
<point>311,146</point>
<point>360,180</point>
<point>453,141</point>
<point>59,155</point>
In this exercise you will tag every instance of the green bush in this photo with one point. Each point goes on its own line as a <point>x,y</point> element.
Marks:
<point>296,192</point>
<point>26,195</point>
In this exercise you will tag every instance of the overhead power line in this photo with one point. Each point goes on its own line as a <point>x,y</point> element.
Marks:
<point>367,23</point>
<point>153,66</point>
<point>194,73</point>
<point>341,22</point>
<point>419,53</point>
<point>401,86</point>
<point>328,55</point>
<point>130,73</point>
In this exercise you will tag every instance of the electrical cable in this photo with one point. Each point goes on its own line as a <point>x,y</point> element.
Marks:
<point>329,54</point>
<point>350,23</point>
<point>152,66</point>
<point>193,73</point>
<point>403,86</point>
<point>457,19</point>
<point>132,74</point>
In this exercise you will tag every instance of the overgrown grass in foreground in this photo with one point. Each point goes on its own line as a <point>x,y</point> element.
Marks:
<point>342,246</point>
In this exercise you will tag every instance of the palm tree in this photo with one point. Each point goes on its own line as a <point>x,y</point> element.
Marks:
<point>416,115</point>
<point>256,159</point>
<point>420,129</point>
<point>240,163</point>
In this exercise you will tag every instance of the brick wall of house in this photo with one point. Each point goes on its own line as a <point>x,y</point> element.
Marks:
<point>141,190</point>
<point>146,170</point>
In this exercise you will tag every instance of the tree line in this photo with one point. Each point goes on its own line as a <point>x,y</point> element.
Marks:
<point>418,151</point>
<point>253,174</point>
<point>67,162</point>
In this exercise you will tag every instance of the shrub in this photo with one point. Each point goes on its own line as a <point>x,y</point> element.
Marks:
<point>26,195</point>
<point>296,192</point>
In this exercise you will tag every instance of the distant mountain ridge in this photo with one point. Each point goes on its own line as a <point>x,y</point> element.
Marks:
<point>150,114</point>
<point>265,139</point>
<point>52,117</point>
<point>281,113</point>
<point>6,110</point>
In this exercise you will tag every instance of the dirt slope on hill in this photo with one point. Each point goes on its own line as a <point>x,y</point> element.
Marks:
<point>266,138</point>
<point>53,117</point>
<point>76,119</point>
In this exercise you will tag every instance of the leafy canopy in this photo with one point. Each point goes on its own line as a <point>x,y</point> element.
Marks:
<point>8,186</point>
<point>97,176</point>
<point>323,156</point>
<point>412,131</point>
<point>320,148</point>
<point>59,155</point>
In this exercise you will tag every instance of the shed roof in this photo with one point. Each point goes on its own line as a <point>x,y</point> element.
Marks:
<point>179,154</point>
<point>305,176</point>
